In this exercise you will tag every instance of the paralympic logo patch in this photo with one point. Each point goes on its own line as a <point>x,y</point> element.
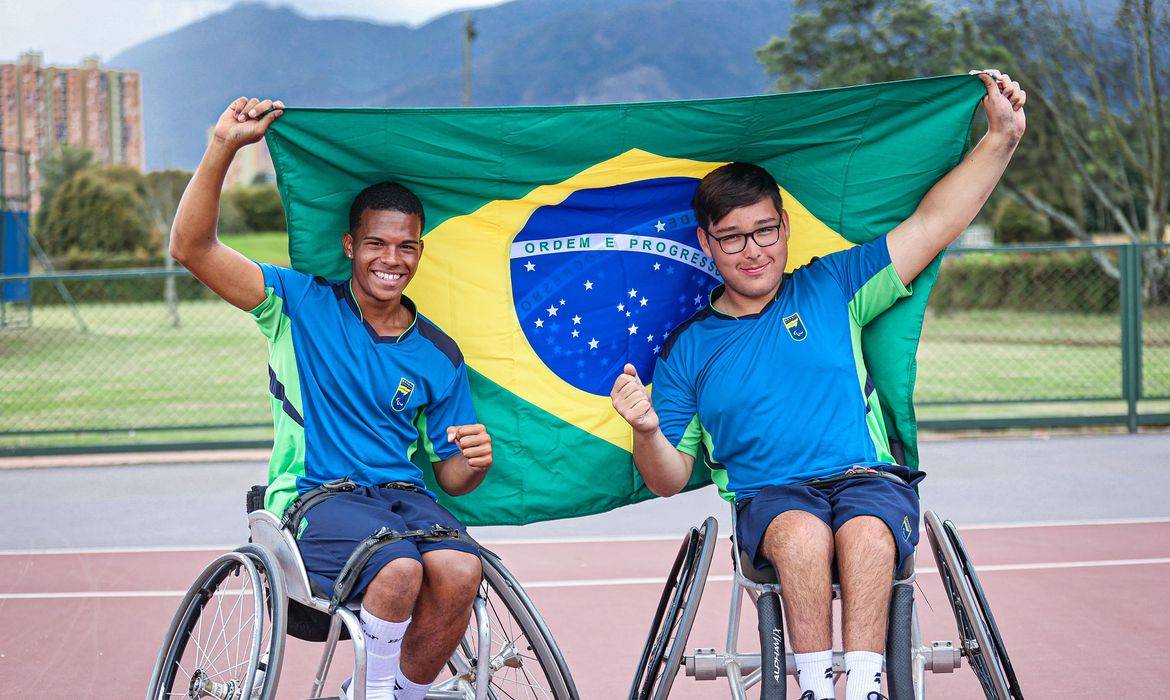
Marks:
<point>601,278</point>
<point>795,327</point>
<point>402,395</point>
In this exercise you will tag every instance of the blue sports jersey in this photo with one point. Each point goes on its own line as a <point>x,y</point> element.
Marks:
<point>347,402</point>
<point>782,396</point>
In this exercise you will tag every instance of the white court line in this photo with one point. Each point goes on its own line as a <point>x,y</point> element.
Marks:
<point>562,540</point>
<point>640,581</point>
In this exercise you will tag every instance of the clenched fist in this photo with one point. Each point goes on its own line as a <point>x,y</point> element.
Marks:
<point>245,121</point>
<point>474,443</point>
<point>632,401</point>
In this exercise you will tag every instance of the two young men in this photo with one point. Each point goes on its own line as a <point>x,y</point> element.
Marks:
<point>769,378</point>
<point>359,381</point>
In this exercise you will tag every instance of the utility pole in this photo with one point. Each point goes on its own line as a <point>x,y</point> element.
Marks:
<point>468,37</point>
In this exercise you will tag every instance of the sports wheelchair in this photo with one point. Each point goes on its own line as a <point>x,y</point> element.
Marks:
<point>907,657</point>
<point>227,638</point>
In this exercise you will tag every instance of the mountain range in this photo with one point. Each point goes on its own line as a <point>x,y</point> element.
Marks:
<point>525,52</point>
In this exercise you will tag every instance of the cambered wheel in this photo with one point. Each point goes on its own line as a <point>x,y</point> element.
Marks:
<point>671,626</point>
<point>981,642</point>
<point>524,658</point>
<point>226,641</point>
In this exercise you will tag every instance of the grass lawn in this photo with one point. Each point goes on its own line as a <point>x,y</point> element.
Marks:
<point>269,246</point>
<point>147,381</point>
<point>132,370</point>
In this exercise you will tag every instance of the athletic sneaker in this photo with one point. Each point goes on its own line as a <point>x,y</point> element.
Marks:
<point>874,695</point>
<point>343,694</point>
<point>808,695</point>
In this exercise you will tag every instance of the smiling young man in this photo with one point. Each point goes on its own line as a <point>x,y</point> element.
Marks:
<point>360,381</point>
<point>769,378</point>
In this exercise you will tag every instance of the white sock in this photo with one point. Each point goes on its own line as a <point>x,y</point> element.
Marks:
<point>383,648</point>
<point>406,689</point>
<point>814,671</point>
<point>863,674</point>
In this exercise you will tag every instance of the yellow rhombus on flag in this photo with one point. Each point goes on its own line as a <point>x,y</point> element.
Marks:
<point>560,245</point>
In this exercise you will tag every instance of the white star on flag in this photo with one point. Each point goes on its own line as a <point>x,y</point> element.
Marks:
<point>633,329</point>
<point>529,266</point>
<point>643,301</point>
<point>576,320</point>
<point>633,293</point>
<point>593,343</point>
<point>621,307</point>
<point>657,266</point>
<point>650,338</point>
<point>656,349</point>
<point>552,310</point>
<point>540,323</point>
<point>576,333</point>
<point>659,227</point>
<point>562,302</point>
<point>627,314</point>
<point>698,298</point>
<point>588,284</point>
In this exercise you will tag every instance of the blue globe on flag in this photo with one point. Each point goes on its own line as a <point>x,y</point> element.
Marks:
<point>601,278</point>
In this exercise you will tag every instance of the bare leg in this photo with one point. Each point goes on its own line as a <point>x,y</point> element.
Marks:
<point>800,546</point>
<point>450,581</point>
<point>865,562</point>
<point>392,593</point>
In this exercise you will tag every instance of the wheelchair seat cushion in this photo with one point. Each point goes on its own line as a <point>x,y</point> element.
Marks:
<point>894,501</point>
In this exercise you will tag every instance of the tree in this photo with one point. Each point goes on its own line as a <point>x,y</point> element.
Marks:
<point>844,42</point>
<point>56,168</point>
<point>1105,89</point>
<point>99,210</point>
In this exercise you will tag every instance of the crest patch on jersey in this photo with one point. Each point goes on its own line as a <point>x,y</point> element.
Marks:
<point>402,395</point>
<point>795,327</point>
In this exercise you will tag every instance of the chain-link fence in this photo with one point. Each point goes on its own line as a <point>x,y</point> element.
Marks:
<point>1013,337</point>
<point>1047,335</point>
<point>123,364</point>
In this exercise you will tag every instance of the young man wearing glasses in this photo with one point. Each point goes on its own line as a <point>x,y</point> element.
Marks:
<point>769,378</point>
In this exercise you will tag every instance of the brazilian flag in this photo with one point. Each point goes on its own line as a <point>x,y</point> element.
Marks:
<point>560,244</point>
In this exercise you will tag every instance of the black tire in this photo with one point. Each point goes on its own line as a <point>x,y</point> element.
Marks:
<point>984,652</point>
<point>773,663</point>
<point>985,611</point>
<point>525,659</point>
<point>675,615</point>
<point>227,637</point>
<point>900,643</point>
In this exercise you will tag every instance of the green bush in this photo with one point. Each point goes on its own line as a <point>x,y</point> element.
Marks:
<point>1015,223</point>
<point>120,291</point>
<point>258,205</point>
<point>1058,281</point>
<point>99,210</point>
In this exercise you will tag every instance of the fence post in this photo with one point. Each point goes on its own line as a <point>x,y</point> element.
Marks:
<point>1130,300</point>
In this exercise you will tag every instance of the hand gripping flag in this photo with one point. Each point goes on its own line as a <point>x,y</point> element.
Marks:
<point>560,244</point>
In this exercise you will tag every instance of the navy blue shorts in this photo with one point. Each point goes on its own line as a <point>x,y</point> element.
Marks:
<point>894,502</point>
<point>333,528</point>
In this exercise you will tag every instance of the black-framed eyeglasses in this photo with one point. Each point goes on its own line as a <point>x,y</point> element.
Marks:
<point>736,242</point>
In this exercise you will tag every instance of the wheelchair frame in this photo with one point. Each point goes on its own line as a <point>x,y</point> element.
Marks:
<point>908,659</point>
<point>272,556</point>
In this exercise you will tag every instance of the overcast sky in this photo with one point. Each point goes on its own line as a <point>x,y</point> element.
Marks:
<point>67,30</point>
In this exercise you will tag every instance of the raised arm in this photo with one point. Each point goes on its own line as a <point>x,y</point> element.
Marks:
<point>193,237</point>
<point>951,205</point>
<point>665,469</point>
